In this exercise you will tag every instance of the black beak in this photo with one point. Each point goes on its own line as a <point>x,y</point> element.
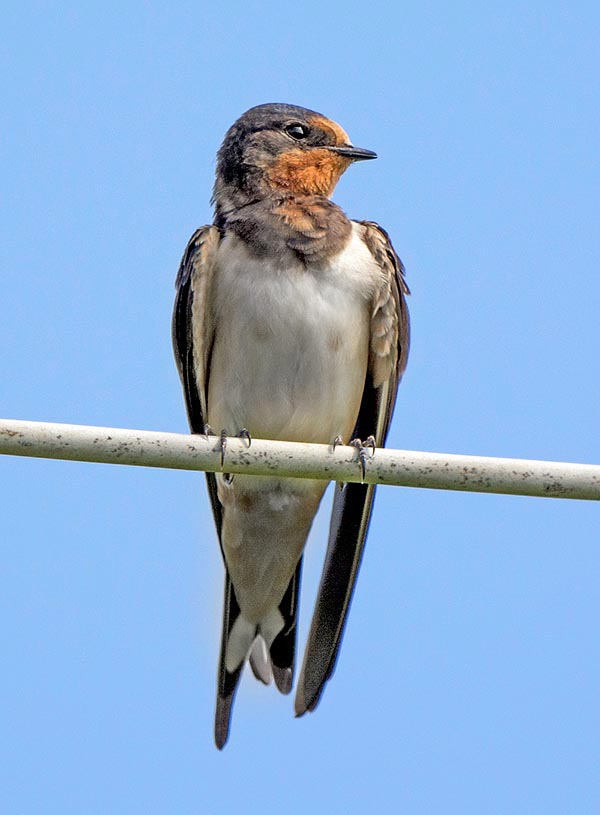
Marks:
<point>355,153</point>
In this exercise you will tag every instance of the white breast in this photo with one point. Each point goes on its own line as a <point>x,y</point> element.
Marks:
<point>291,344</point>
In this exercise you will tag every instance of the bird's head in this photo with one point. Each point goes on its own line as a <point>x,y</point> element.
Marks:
<point>279,149</point>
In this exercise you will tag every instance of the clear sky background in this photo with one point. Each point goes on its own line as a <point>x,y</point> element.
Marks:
<point>469,679</point>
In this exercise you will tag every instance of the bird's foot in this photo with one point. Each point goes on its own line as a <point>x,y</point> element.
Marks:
<point>243,434</point>
<point>362,447</point>
<point>223,445</point>
<point>336,442</point>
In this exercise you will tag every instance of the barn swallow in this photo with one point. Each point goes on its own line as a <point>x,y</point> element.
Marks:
<point>290,323</point>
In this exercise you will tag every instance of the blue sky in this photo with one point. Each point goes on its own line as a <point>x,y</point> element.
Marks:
<point>470,673</point>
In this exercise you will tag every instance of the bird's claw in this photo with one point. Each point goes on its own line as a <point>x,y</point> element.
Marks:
<point>362,447</point>
<point>223,445</point>
<point>335,443</point>
<point>208,431</point>
<point>245,434</point>
<point>370,444</point>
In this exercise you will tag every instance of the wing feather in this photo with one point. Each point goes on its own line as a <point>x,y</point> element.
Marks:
<point>353,504</point>
<point>193,330</point>
<point>192,342</point>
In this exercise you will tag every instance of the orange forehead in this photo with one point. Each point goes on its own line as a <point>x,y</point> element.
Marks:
<point>311,172</point>
<point>339,134</point>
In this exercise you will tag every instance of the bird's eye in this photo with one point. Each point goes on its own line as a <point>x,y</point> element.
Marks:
<point>297,131</point>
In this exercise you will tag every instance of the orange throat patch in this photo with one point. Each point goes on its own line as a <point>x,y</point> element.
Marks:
<point>310,172</point>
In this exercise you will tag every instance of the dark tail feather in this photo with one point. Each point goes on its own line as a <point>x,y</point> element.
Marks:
<point>282,653</point>
<point>349,523</point>
<point>283,648</point>
<point>227,682</point>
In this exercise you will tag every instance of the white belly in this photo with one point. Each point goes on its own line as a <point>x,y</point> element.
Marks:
<point>291,344</point>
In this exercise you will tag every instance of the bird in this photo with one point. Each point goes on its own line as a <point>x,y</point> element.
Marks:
<point>290,323</point>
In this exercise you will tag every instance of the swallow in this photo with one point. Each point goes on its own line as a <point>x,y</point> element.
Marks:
<point>290,323</point>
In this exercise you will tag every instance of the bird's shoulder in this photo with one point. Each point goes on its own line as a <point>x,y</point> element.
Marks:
<point>390,324</point>
<point>381,248</point>
<point>199,253</point>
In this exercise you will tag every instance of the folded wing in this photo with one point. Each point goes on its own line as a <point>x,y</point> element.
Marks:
<point>390,334</point>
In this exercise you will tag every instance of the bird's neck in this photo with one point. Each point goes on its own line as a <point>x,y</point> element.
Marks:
<point>309,227</point>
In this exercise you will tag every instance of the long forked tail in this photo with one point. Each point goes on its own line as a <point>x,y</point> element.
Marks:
<point>227,682</point>
<point>240,640</point>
